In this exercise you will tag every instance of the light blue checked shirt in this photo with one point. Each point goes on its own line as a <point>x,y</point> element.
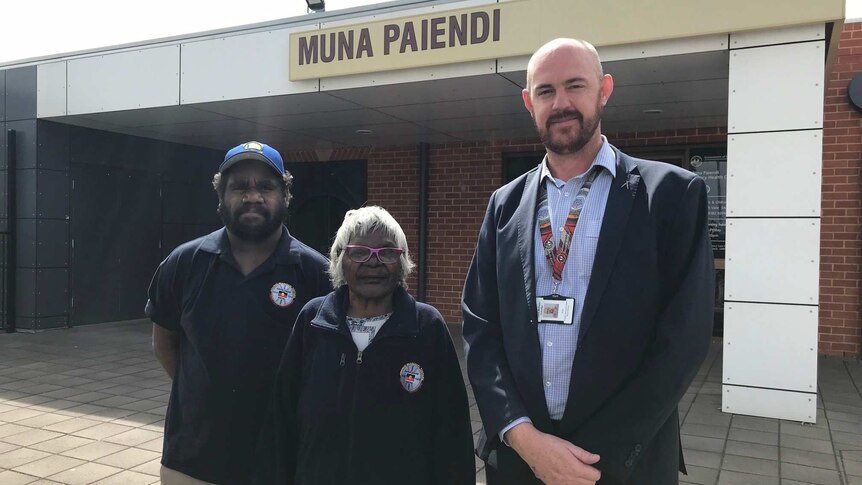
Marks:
<point>559,342</point>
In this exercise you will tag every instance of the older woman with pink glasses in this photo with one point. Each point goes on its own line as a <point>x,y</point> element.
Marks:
<point>369,388</point>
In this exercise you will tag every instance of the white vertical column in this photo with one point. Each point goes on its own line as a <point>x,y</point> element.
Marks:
<point>774,153</point>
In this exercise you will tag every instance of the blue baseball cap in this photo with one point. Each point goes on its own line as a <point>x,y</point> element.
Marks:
<point>253,150</point>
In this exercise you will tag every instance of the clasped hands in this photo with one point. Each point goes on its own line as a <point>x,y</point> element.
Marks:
<point>554,461</point>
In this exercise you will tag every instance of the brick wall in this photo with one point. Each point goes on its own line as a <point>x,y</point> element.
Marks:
<point>841,224</point>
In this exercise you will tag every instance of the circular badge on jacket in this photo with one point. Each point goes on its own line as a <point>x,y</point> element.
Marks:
<point>282,294</point>
<point>412,376</point>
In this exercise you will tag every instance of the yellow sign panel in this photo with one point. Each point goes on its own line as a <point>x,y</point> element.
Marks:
<point>518,27</point>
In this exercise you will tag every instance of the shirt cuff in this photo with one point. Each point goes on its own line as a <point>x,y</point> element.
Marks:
<point>511,425</point>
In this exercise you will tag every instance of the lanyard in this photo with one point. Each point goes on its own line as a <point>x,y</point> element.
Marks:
<point>557,256</point>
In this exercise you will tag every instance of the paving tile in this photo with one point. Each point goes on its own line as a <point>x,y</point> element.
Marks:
<point>752,450</point>
<point>712,419</point>
<point>129,458</point>
<point>43,420</point>
<point>8,477</point>
<point>138,419</point>
<point>854,439</point>
<point>11,429</point>
<point>754,466</point>
<point>31,436</point>
<point>102,431</point>
<point>727,477</point>
<point>133,437</point>
<point>754,423</point>
<point>808,458</point>
<point>19,414</point>
<point>54,405</point>
<point>702,443</point>
<point>752,436</point>
<point>153,445</point>
<point>48,466</point>
<point>127,477</point>
<point>853,467</point>
<point>72,424</point>
<point>820,432</point>
<point>845,426</point>
<point>807,444</point>
<point>704,430</point>
<point>94,450</point>
<point>150,467</point>
<point>61,444</point>
<point>810,474</point>
<point>85,474</point>
<point>705,459</point>
<point>699,475</point>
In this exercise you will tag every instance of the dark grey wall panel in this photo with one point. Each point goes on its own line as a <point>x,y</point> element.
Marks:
<point>52,322</point>
<point>52,292</point>
<point>24,323</point>
<point>175,234</point>
<point>53,190</point>
<point>174,208</point>
<point>26,138</point>
<point>3,135</point>
<point>3,213</point>
<point>26,194</point>
<point>2,95</point>
<point>52,248</point>
<point>27,240</point>
<point>21,93</point>
<point>139,196</point>
<point>25,293</point>
<point>205,202</point>
<point>45,323</point>
<point>53,145</point>
<point>95,261</point>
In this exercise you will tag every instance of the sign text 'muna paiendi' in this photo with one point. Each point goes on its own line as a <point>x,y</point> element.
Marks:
<point>398,37</point>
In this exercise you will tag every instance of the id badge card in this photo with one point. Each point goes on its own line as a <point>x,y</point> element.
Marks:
<point>556,309</point>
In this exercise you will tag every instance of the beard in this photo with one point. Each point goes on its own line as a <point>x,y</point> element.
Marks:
<point>558,143</point>
<point>272,221</point>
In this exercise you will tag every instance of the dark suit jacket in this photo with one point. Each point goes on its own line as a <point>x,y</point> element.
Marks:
<point>645,327</point>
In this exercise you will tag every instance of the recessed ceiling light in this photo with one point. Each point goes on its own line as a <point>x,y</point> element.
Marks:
<point>653,111</point>
<point>364,132</point>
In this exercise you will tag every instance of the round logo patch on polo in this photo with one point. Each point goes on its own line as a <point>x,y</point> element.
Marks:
<point>282,294</point>
<point>412,376</point>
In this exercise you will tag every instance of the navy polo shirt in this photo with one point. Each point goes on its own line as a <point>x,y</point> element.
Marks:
<point>233,329</point>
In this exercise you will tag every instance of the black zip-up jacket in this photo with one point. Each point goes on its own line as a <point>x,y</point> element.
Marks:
<point>395,413</point>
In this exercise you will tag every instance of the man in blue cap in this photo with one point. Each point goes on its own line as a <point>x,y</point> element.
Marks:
<point>223,306</point>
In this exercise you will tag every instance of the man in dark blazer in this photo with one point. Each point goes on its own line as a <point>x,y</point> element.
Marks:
<point>579,351</point>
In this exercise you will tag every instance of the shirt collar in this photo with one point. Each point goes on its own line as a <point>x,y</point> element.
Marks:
<point>604,158</point>
<point>286,252</point>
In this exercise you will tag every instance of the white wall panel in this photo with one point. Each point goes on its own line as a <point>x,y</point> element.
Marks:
<point>240,66</point>
<point>769,403</point>
<point>51,89</point>
<point>773,346</point>
<point>777,36</point>
<point>774,174</point>
<point>776,88</point>
<point>772,260</point>
<point>144,78</point>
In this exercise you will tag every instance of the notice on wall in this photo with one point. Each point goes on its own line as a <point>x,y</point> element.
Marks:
<point>711,165</point>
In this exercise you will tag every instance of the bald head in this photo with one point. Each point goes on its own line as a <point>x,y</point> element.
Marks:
<point>564,48</point>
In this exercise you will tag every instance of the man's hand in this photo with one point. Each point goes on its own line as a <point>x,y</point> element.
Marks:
<point>553,460</point>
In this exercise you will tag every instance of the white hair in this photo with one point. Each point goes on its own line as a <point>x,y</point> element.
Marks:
<point>361,222</point>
